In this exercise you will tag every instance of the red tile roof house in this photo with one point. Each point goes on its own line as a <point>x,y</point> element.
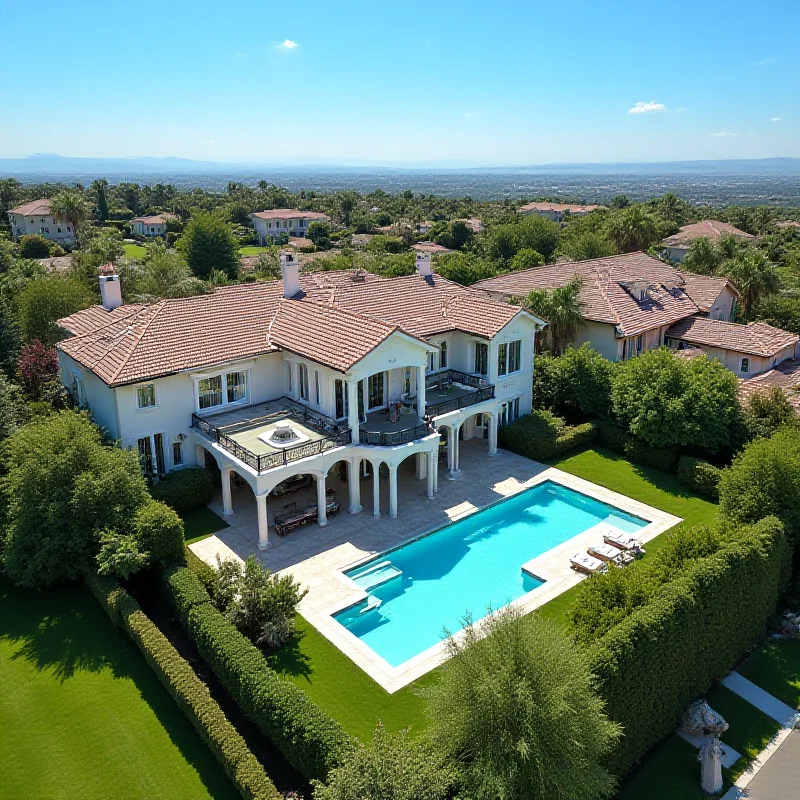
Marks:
<point>154,225</point>
<point>556,211</point>
<point>277,221</point>
<point>36,217</point>
<point>292,377</point>
<point>677,245</point>
<point>629,301</point>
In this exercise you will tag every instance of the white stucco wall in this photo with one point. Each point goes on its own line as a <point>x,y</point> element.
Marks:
<point>99,397</point>
<point>45,226</point>
<point>723,305</point>
<point>601,337</point>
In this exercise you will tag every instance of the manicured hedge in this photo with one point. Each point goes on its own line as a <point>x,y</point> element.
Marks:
<point>188,691</point>
<point>700,476</point>
<point>697,628</point>
<point>185,489</point>
<point>310,740</point>
<point>540,436</point>
<point>614,438</point>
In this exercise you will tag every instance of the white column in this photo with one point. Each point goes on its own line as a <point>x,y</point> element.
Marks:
<point>376,489</point>
<point>352,407</point>
<point>436,472</point>
<point>493,420</point>
<point>431,469</point>
<point>393,491</point>
<point>200,455</point>
<point>322,502</point>
<point>421,466</point>
<point>420,392</point>
<point>449,447</point>
<point>455,472</point>
<point>263,523</point>
<point>354,485</point>
<point>227,503</point>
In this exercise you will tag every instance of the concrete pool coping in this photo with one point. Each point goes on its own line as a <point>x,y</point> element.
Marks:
<point>552,567</point>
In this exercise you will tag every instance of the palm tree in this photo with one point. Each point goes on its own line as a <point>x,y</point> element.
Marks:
<point>633,229</point>
<point>753,276</point>
<point>561,309</point>
<point>70,207</point>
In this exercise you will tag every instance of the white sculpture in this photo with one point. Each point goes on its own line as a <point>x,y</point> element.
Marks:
<point>710,759</point>
<point>700,719</point>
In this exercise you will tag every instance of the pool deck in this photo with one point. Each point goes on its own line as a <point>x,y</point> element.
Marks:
<point>317,557</point>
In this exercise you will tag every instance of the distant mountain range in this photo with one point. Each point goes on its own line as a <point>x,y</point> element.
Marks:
<point>52,164</point>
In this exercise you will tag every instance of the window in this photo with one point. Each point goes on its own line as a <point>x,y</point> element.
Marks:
<point>340,398</point>
<point>502,359</point>
<point>481,358</point>
<point>442,355</point>
<point>209,392</point>
<point>431,366</point>
<point>515,356</point>
<point>509,412</point>
<point>407,382</point>
<point>236,386</point>
<point>639,343</point>
<point>316,388</point>
<point>146,396</point>
<point>78,391</point>
<point>302,381</point>
<point>287,369</point>
<point>375,391</point>
<point>745,365</point>
<point>151,454</point>
<point>177,454</point>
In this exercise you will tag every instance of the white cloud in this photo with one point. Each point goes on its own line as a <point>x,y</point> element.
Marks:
<point>470,114</point>
<point>775,119</point>
<point>724,132</point>
<point>288,44</point>
<point>646,108</point>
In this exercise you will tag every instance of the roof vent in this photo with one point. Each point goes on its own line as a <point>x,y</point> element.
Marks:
<point>637,289</point>
<point>358,276</point>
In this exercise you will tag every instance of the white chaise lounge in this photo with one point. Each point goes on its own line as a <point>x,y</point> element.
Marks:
<point>588,565</point>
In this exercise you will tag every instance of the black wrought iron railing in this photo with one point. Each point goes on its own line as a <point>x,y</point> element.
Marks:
<point>333,437</point>
<point>446,406</point>
<point>394,438</point>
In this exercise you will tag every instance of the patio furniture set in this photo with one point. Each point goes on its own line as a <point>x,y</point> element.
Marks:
<point>617,550</point>
<point>293,518</point>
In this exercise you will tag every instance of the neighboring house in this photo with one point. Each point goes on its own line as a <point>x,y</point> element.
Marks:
<point>342,370</point>
<point>431,247</point>
<point>155,225</point>
<point>785,376</point>
<point>556,211</point>
<point>628,301</point>
<point>424,226</point>
<point>36,217</point>
<point>475,224</point>
<point>677,245</point>
<point>278,221</point>
<point>744,349</point>
<point>788,224</point>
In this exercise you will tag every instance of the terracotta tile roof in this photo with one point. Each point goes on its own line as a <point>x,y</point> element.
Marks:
<point>430,247</point>
<point>704,290</point>
<point>559,207</point>
<point>786,377</point>
<point>327,334</point>
<point>289,213</point>
<point>604,295</point>
<point>335,322</point>
<point>755,338</point>
<point>788,223</point>
<point>708,228</point>
<point>155,219</point>
<point>34,208</point>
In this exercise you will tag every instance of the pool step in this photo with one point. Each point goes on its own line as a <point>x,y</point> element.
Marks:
<point>372,604</point>
<point>376,575</point>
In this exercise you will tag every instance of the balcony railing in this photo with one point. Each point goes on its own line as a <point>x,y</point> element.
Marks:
<point>457,403</point>
<point>262,463</point>
<point>394,438</point>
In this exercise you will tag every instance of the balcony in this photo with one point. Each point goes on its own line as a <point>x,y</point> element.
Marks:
<point>262,436</point>
<point>454,390</point>
<point>380,432</point>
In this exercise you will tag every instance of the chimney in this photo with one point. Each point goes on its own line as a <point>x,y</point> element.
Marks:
<point>424,264</point>
<point>110,288</point>
<point>290,270</point>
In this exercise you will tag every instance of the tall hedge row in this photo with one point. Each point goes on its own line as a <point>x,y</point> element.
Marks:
<point>672,650</point>
<point>309,739</point>
<point>188,691</point>
<point>540,436</point>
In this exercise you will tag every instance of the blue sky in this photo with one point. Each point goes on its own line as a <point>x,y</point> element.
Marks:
<point>413,82</point>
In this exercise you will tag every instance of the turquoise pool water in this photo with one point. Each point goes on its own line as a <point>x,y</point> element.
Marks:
<point>430,584</point>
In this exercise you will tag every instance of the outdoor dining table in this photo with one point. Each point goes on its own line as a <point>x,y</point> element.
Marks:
<point>284,523</point>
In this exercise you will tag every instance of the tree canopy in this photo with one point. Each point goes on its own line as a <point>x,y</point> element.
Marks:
<point>561,308</point>
<point>208,244</point>
<point>46,300</point>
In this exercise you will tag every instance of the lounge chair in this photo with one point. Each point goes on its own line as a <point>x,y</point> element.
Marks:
<point>607,552</point>
<point>588,565</point>
<point>624,541</point>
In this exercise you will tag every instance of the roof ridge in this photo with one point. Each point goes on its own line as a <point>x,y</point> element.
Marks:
<point>157,307</point>
<point>109,323</point>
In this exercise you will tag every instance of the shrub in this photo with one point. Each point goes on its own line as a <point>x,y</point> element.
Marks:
<point>188,691</point>
<point>310,740</point>
<point>700,476</point>
<point>46,300</point>
<point>33,245</point>
<point>159,532</point>
<point>541,435</point>
<point>37,367</point>
<point>671,650</point>
<point>614,438</point>
<point>185,489</point>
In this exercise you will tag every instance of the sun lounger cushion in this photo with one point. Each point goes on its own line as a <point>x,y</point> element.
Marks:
<point>586,563</point>
<point>625,541</point>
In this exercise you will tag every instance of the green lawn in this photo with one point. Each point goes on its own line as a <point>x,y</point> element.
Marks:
<point>136,251</point>
<point>200,523</point>
<point>353,698</point>
<point>251,250</point>
<point>81,713</point>
<point>776,669</point>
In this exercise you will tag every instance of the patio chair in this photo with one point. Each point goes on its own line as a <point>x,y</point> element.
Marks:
<point>624,541</point>
<point>607,552</point>
<point>588,565</point>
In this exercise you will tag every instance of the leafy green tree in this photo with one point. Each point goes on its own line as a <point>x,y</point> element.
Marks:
<point>589,245</point>
<point>561,309</point>
<point>766,412</point>
<point>633,229</point>
<point>33,245</point>
<point>100,189</point>
<point>46,300</point>
<point>586,378</point>
<point>13,408</point>
<point>70,207</point>
<point>463,268</point>
<point>454,235</point>
<point>539,234</point>
<point>158,531</point>
<point>619,201</point>
<point>163,273</point>
<point>61,487</point>
<point>106,245</point>
<point>502,242</point>
<point>669,401</point>
<point>703,257</point>
<point>516,707</point>
<point>753,276</point>
<point>320,234</point>
<point>208,244</point>
<point>526,259</point>
<point>119,555</point>
<point>391,767</point>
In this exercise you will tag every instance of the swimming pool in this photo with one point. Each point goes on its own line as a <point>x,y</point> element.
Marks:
<point>420,589</point>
